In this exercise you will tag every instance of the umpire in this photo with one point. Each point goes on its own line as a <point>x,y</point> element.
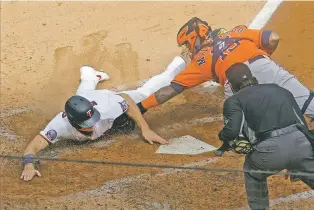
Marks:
<point>278,137</point>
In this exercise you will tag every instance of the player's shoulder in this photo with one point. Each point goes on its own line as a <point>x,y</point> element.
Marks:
<point>57,128</point>
<point>233,100</point>
<point>60,120</point>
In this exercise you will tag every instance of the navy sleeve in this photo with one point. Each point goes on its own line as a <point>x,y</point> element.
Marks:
<point>233,117</point>
<point>177,87</point>
<point>265,38</point>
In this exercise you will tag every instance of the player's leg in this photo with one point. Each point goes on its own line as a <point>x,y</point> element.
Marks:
<point>256,182</point>
<point>267,158</point>
<point>255,185</point>
<point>267,71</point>
<point>157,82</point>
<point>307,166</point>
<point>90,78</point>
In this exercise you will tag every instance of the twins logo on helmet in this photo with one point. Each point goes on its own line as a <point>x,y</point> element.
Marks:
<point>89,113</point>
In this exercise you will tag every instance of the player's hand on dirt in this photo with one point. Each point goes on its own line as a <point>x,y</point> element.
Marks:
<point>151,137</point>
<point>29,172</point>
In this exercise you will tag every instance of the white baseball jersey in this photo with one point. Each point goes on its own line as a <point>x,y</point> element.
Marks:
<point>108,103</point>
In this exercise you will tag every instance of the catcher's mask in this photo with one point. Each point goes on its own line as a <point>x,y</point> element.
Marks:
<point>192,34</point>
<point>81,114</point>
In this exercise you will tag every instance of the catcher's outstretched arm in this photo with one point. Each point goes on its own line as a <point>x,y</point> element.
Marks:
<point>162,95</point>
<point>157,82</point>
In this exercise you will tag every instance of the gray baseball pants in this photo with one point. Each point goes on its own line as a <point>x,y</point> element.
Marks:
<point>267,71</point>
<point>291,151</point>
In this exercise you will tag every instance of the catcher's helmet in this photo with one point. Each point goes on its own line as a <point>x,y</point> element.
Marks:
<point>193,33</point>
<point>81,113</point>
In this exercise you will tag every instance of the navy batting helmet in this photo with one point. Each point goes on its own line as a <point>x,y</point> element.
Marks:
<point>81,112</point>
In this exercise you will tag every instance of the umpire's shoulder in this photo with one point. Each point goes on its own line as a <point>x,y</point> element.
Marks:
<point>232,101</point>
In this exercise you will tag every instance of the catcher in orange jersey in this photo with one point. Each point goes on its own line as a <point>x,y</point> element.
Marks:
<point>208,54</point>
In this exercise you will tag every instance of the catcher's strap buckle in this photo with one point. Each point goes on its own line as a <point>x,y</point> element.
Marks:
<point>307,102</point>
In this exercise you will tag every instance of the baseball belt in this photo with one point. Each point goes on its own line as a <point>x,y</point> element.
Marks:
<point>270,134</point>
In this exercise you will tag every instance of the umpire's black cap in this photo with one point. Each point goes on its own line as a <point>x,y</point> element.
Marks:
<point>237,73</point>
<point>81,112</point>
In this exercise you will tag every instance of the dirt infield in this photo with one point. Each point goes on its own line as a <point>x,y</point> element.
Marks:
<point>43,44</point>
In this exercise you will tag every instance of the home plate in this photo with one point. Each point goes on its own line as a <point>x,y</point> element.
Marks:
<point>185,145</point>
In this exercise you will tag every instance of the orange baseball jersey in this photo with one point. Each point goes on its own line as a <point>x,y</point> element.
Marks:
<point>218,54</point>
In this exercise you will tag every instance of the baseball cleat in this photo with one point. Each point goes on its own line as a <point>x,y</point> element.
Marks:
<point>89,73</point>
<point>102,76</point>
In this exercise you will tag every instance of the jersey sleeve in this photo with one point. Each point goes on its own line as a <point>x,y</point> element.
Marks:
<point>58,128</point>
<point>250,34</point>
<point>116,107</point>
<point>197,72</point>
<point>259,37</point>
<point>233,120</point>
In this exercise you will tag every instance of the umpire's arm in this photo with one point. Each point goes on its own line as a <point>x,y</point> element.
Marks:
<point>233,118</point>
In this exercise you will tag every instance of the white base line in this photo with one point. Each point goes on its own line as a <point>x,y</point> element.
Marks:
<point>293,197</point>
<point>288,199</point>
<point>265,14</point>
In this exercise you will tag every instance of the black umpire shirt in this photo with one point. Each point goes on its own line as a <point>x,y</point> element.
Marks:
<point>265,107</point>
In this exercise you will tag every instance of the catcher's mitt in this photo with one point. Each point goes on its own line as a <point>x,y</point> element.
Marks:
<point>241,146</point>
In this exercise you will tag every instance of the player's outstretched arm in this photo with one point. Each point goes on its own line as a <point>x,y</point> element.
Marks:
<point>36,145</point>
<point>134,113</point>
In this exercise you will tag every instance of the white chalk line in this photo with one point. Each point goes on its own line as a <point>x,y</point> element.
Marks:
<point>265,14</point>
<point>13,112</point>
<point>293,197</point>
<point>288,199</point>
<point>115,186</point>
